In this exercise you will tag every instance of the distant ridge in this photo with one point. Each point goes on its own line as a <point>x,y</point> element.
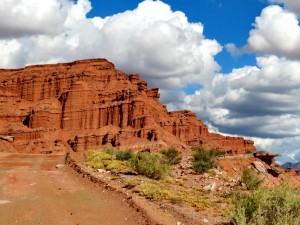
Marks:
<point>295,166</point>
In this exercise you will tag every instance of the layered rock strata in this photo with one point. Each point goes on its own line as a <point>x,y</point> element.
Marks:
<point>87,104</point>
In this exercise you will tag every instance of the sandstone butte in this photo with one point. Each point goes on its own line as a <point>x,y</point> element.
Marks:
<point>88,104</point>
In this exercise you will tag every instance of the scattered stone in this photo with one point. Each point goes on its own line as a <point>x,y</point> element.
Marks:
<point>7,138</point>
<point>206,175</point>
<point>211,187</point>
<point>59,166</point>
<point>259,166</point>
<point>2,202</point>
<point>274,171</point>
<point>217,171</point>
<point>205,221</point>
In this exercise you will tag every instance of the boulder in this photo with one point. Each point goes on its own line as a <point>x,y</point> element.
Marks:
<point>259,166</point>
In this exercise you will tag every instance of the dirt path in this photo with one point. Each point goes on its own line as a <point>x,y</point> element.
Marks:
<point>33,191</point>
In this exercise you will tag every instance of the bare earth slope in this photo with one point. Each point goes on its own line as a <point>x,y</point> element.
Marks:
<point>33,191</point>
<point>89,103</point>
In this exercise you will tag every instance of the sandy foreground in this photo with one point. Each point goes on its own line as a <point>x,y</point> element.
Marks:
<point>33,191</point>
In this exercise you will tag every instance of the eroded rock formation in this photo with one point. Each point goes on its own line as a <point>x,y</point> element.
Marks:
<point>87,104</point>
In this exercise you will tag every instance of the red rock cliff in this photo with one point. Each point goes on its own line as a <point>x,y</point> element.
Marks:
<point>87,104</point>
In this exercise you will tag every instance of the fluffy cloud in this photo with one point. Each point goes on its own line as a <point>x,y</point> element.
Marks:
<point>259,102</point>
<point>292,5</point>
<point>27,17</point>
<point>152,39</point>
<point>276,32</point>
<point>262,102</point>
<point>287,147</point>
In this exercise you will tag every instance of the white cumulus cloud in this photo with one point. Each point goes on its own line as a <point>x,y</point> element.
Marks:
<point>260,101</point>
<point>153,40</point>
<point>292,5</point>
<point>27,17</point>
<point>276,31</point>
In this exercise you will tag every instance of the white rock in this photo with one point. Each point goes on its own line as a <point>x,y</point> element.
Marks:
<point>59,166</point>
<point>101,171</point>
<point>259,166</point>
<point>211,187</point>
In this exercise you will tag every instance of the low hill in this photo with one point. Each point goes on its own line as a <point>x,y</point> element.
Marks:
<point>295,166</point>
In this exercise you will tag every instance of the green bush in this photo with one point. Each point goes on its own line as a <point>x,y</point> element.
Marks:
<point>110,151</point>
<point>171,156</point>
<point>149,165</point>
<point>202,166</point>
<point>115,165</point>
<point>153,192</point>
<point>205,159</point>
<point>249,151</point>
<point>97,155</point>
<point>120,154</point>
<point>124,155</point>
<point>280,206</point>
<point>95,159</point>
<point>250,179</point>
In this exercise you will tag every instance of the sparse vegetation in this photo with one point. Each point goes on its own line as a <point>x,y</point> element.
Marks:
<point>144,163</point>
<point>249,151</point>
<point>149,165</point>
<point>264,206</point>
<point>96,159</point>
<point>171,156</point>
<point>205,159</point>
<point>121,155</point>
<point>101,160</point>
<point>153,191</point>
<point>250,179</point>
<point>255,206</point>
<point>124,155</point>
<point>110,151</point>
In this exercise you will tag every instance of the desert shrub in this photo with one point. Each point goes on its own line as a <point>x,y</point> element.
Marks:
<point>95,159</point>
<point>171,156</point>
<point>153,192</point>
<point>101,160</point>
<point>97,155</point>
<point>249,151</point>
<point>110,151</point>
<point>121,155</point>
<point>250,179</point>
<point>149,165</point>
<point>264,206</point>
<point>205,159</point>
<point>124,155</point>
<point>203,166</point>
<point>131,183</point>
<point>115,165</point>
<point>95,164</point>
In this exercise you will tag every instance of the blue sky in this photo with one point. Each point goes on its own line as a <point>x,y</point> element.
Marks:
<point>234,63</point>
